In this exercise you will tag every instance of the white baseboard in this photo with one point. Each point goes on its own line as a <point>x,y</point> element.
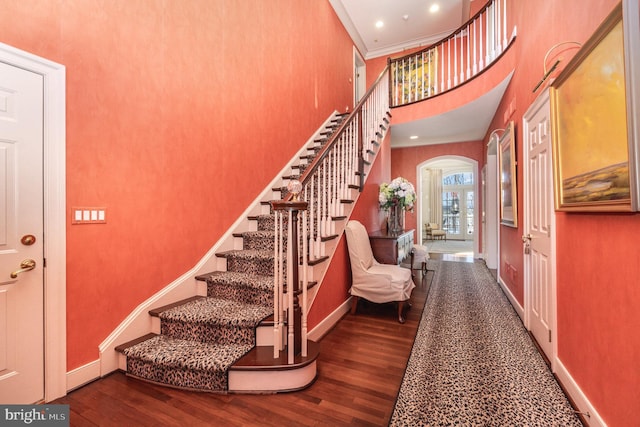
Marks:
<point>577,396</point>
<point>83,375</point>
<point>330,321</point>
<point>514,302</point>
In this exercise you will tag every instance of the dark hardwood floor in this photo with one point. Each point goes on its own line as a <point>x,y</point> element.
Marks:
<point>361,365</point>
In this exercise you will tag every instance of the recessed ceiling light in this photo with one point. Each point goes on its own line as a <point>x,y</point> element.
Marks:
<point>413,137</point>
<point>434,8</point>
<point>379,24</point>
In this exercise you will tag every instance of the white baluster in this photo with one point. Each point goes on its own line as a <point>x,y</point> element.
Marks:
<point>395,84</point>
<point>336,183</point>
<point>311,199</point>
<point>305,282</point>
<point>290,288</point>
<point>438,77</point>
<point>448,64</point>
<point>276,305</point>
<point>319,211</point>
<point>481,44</point>
<point>468,51</point>
<point>475,47</point>
<point>504,23</point>
<point>326,230</point>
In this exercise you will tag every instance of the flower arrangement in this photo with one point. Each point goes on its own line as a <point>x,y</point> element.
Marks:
<point>399,192</point>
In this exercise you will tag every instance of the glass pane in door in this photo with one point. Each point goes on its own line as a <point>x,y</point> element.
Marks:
<point>470,214</point>
<point>451,213</point>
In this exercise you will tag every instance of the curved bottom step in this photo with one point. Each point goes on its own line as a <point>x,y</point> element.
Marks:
<point>259,372</point>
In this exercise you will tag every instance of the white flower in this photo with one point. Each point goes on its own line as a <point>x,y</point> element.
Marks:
<point>399,192</point>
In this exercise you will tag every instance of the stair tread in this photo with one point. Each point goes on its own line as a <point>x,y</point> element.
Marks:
<point>155,312</point>
<point>171,352</point>
<point>261,358</point>
<point>120,348</point>
<point>218,311</point>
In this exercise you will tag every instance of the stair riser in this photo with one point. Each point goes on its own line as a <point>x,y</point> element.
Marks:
<point>240,293</point>
<point>261,266</point>
<point>269,381</point>
<point>258,242</point>
<point>208,333</point>
<point>267,222</point>
<point>205,380</point>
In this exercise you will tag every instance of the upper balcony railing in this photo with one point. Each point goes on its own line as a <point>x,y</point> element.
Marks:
<point>454,60</point>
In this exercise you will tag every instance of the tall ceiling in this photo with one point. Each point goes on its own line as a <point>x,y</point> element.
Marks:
<point>406,23</point>
<point>409,24</point>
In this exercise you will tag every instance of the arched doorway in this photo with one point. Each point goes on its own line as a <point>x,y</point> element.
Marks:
<point>447,191</point>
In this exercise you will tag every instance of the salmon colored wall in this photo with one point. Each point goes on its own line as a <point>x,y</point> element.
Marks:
<point>337,281</point>
<point>597,260</point>
<point>404,163</point>
<point>178,114</point>
<point>475,6</point>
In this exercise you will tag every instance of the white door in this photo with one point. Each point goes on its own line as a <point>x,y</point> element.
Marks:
<point>538,240</point>
<point>458,214</point>
<point>359,77</point>
<point>21,236</point>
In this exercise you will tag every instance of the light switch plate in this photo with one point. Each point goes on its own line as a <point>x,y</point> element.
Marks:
<point>88,215</point>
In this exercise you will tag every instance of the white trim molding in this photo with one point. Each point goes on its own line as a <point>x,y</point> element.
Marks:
<point>330,321</point>
<point>512,299</point>
<point>579,399</point>
<point>83,375</point>
<point>476,188</point>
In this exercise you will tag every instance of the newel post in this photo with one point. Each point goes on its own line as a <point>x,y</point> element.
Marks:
<point>294,318</point>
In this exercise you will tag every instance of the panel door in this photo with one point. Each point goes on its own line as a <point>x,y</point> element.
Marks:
<point>21,236</point>
<point>539,220</point>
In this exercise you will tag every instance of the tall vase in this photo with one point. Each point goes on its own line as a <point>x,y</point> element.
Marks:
<point>395,220</point>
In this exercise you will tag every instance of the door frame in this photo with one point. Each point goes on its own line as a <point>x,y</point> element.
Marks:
<point>476,188</point>
<point>536,105</point>
<point>54,152</point>
<point>359,77</point>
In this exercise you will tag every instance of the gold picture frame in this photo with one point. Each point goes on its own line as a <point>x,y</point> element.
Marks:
<point>508,183</point>
<point>590,122</point>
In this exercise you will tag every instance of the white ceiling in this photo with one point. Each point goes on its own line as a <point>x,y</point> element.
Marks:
<point>407,23</point>
<point>420,28</point>
<point>467,123</point>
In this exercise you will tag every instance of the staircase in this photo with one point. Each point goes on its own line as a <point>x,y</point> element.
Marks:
<point>228,337</point>
<point>223,341</point>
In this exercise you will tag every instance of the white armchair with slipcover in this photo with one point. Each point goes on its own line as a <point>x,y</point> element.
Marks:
<point>375,282</point>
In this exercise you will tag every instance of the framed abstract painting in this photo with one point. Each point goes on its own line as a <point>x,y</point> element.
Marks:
<point>593,126</point>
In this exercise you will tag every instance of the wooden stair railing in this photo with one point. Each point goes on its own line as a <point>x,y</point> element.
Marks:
<point>314,203</point>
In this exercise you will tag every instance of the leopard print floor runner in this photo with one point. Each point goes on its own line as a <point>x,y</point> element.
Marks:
<point>473,362</point>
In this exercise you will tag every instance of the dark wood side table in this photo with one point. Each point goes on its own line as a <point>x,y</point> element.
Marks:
<point>391,248</point>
